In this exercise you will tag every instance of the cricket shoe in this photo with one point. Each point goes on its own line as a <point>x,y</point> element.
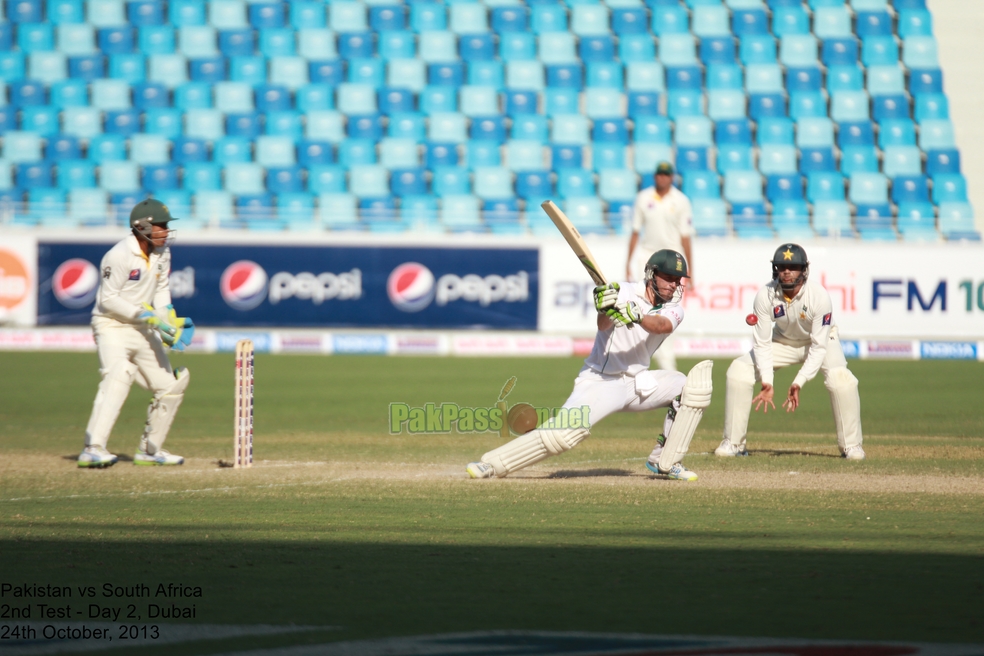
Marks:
<point>677,472</point>
<point>729,450</point>
<point>854,453</point>
<point>96,457</point>
<point>162,457</point>
<point>480,470</point>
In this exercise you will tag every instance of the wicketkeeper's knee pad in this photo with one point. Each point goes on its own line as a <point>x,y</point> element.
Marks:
<point>177,388</point>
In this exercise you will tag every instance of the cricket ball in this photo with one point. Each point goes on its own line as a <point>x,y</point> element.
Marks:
<point>521,418</point>
<point>751,320</point>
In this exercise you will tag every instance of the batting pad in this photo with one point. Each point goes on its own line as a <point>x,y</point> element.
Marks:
<point>846,404</point>
<point>738,401</point>
<point>161,412</point>
<point>695,397</point>
<point>533,447</point>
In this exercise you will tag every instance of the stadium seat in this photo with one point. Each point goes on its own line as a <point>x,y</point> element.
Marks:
<point>757,49</point>
<point>702,185</point>
<point>788,20</point>
<point>910,189</point>
<point>326,179</point>
<point>82,122</point>
<point>868,188</point>
<point>726,105</point>
<point>534,186</point>
<point>408,182</point>
<point>764,78</point>
<point>874,222</point>
<point>693,131</point>
<point>40,120</point>
<point>677,50</point>
<point>832,218</point>
<point>566,156</point>
<point>835,23</point>
<point>798,50</point>
<point>917,222</point>
<point>840,52</point>
<point>849,106</point>
<point>575,183</point>
<point>920,52</point>
<point>815,133</point>
<point>957,222</point>
<point>936,134</point>
<point>653,129</point>
<point>879,51</point>
<point>357,152</point>
<point>312,153</point>
<point>460,212</point>
<point>510,19</point>
<point>824,187</point>
<point>643,103</point>
<point>859,159</point>
<point>569,129</point>
<point>891,106</point>
<point>787,187</point>
<point>338,211</point>
<point>617,185</point>
<point>518,102</point>
<point>710,217</point>
<point>636,48</point>
<point>320,72</point>
<point>529,126</point>
<point>481,153</point>
<point>729,76</point>
<point>774,131</point>
<point>681,104</point>
<point>949,188</point>
<point>915,22</point>
<point>806,105</point>
<point>647,155</point>
<point>743,187</point>
<point>766,106</point>
<point>946,160</point>
<point>733,158</point>
<point>883,80</point>
<point>777,159</point>
<point>565,75</point>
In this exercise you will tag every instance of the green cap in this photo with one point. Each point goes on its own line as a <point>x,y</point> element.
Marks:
<point>664,168</point>
<point>667,261</point>
<point>152,211</point>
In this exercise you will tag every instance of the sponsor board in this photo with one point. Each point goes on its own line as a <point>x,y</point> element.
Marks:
<point>306,286</point>
<point>18,281</point>
<point>419,345</point>
<point>851,348</point>
<point>486,345</point>
<point>360,344</point>
<point>895,349</point>
<point>301,343</point>
<point>225,342</point>
<point>70,339</point>
<point>712,347</point>
<point>948,350</point>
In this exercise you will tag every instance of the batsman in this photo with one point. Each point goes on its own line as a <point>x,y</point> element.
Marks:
<point>795,325</point>
<point>633,320</point>
<point>133,321</point>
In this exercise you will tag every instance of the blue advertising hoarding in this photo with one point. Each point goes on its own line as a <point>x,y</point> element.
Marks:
<point>330,286</point>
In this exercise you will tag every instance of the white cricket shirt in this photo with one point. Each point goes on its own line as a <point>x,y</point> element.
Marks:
<point>662,222</point>
<point>128,279</point>
<point>804,320</point>
<point>623,350</point>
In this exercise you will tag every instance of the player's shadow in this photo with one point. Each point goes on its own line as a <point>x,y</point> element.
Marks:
<point>788,452</point>
<point>587,473</point>
<point>119,457</point>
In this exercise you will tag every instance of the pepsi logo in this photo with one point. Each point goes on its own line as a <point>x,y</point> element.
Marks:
<point>243,285</point>
<point>75,283</point>
<point>411,287</point>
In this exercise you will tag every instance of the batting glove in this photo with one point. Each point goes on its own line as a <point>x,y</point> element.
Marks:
<point>605,296</point>
<point>625,313</point>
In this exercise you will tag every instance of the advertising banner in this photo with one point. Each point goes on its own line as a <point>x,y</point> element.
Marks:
<point>18,281</point>
<point>891,291</point>
<point>331,286</point>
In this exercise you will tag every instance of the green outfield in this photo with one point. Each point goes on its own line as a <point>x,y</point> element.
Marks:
<point>358,533</point>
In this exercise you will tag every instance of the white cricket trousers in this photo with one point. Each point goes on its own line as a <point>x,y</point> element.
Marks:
<point>605,394</point>
<point>127,353</point>
<point>840,382</point>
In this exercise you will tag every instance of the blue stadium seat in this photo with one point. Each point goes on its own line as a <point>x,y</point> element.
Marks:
<point>763,78</point>
<point>569,129</point>
<point>150,149</point>
<point>486,73</point>
<point>910,189</point>
<point>295,209</point>
<point>787,187</point>
<point>58,147</point>
<point>40,120</point>
<point>460,213</point>
<point>840,52</point>
<point>789,20</point>
<point>353,45</point>
<point>488,128</point>
<point>186,150</point>
<point>613,130</point>
<point>936,134</point>
<point>919,52</point>
<point>385,18</point>
<point>596,48</point>
<point>670,19</point>
<point>391,100</point>
<point>915,22</point>
<point>427,17</point>
<point>325,72</point>
<point>518,101</point>
<point>149,95</point>
<point>75,93</point>
<point>35,37</point>
<point>435,100</point>
<point>757,49</point>
<point>798,50</point>
<point>493,183</point>
<point>524,155</point>
<point>408,74</point>
<point>558,48</point>
<point>710,217</point>
<point>874,221</point>
<point>326,179</point>
<point>468,18</point>
<point>232,150</point>
<point>130,67</point>
<point>832,218</point>
<point>777,159</point>
<point>160,177</point>
<point>917,222</point>
<point>859,133</point>
<point>369,181</point>
<point>408,182</point>
<point>805,79</point>
<point>575,183</point>
<point>440,154</point>
<point>702,185</point>
<point>202,176</point>
<point>197,41</point>
<point>834,23</point>
<point>684,103</point>
<point>898,132</point>
<point>751,221</point>
<point>276,151</point>
<point>684,78</point>
<point>745,22</point>
<point>367,126</point>
<point>647,155</point>
<point>565,76</point>
<point>711,21</point>
<point>892,106</point>
<point>845,78</point>
<point>244,124</point>
<point>949,188</point>
<point>901,160</point>
<point>859,159</point>
<point>263,15</point>
<point>482,153</point>
<point>727,76</point>
<point>629,21</point>
<point>653,129</point>
<point>123,121</point>
<point>193,95</point>
<point>557,102</point>
<point>116,40</point>
<point>849,106</point>
<point>791,220</point>
<point>643,103</point>
<point>778,130</point>
<point>603,103</point>
<point>446,74</point>
<point>924,81</point>
<point>868,188</point>
<point>338,211</point>
<point>477,47</point>
<point>106,147</point>
<point>677,50</point>
<point>119,177</point>
<point>232,14</point>
<point>392,45</point>
<point>824,186</point>
<point>608,156</point>
<point>743,187</point>
<point>62,12</point>
<point>766,105</point>
<point>478,101</point>
<point>529,126</point>
<point>945,160</point>
<point>510,19</point>
<point>253,70</point>
<point>204,124</point>
<point>418,210</point>
<point>207,69</point>
<point>885,80</point>
<point>450,181</point>
<point>957,222</point>
<point>734,158</point>
<point>311,153</point>
<point>738,132</point>
<point>566,156</point>
<point>356,98</point>
<point>879,51</point>
<point>717,50</point>
<point>75,174</point>
<point>370,72</point>
<point>874,23</point>
<point>244,178</point>
<point>27,93</point>
<point>693,131</point>
<point>515,46</point>
<point>156,39</point>
<point>526,75</point>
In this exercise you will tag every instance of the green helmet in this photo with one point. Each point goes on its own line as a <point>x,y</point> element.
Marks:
<point>147,213</point>
<point>791,254</point>
<point>666,261</point>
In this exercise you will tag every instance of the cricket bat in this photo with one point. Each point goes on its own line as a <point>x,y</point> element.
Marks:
<point>575,241</point>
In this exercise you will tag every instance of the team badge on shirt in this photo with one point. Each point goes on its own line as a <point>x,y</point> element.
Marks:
<point>826,318</point>
<point>134,274</point>
<point>778,311</point>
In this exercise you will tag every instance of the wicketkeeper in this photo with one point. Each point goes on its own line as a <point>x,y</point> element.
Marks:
<point>633,320</point>
<point>133,321</point>
<point>795,325</point>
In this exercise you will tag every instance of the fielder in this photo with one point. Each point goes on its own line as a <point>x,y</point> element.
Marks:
<point>795,324</point>
<point>132,321</point>
<point>633,320</point>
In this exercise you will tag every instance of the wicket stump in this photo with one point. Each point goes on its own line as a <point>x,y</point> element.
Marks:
<point>243,453</point>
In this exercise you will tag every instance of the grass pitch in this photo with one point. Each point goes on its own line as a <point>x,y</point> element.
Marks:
<point>343,526</point>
